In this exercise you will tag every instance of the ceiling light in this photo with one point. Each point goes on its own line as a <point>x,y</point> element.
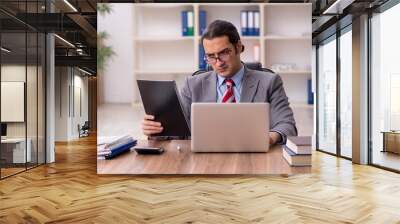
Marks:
<point>64,40</point>
<point>70,5</point>
<point>86,72</point>
<point>337,7</point>
<point>5,50</point>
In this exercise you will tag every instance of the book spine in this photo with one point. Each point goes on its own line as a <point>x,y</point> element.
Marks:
<point>118,141</point>
<point>310,95</point>
<point>190,24</point>
<point>120,150</point>
<point>256,23</point>
<point>202,21</point>
<point>243,22</point>
<point>202,61</point>
<point>184,20</point>
<point>250,23</point>
<point>127,141</point>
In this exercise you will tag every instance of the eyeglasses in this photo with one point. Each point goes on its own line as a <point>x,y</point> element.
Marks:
<point>222,56</point>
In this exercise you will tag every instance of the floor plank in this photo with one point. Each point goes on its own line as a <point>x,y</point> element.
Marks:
<point>70,191</point>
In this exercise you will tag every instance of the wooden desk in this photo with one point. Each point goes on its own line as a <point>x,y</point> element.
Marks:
<point>183,161</point>
<point>13,150</point>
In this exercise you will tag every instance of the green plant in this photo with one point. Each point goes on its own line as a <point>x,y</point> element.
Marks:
<point>104,52</point>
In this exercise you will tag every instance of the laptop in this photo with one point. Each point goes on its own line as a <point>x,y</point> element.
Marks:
<point>230,127</point>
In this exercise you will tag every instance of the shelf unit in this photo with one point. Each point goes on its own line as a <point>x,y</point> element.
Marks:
<point>161,52</point>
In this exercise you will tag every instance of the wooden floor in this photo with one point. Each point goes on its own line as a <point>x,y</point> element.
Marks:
<point>70,191</point>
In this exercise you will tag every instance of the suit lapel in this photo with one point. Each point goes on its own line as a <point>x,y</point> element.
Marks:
<point>209,88</point>
<point>249,88</point>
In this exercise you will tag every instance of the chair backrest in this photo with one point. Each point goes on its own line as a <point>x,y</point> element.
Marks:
<point>251,65</point>
<point>86,125</point>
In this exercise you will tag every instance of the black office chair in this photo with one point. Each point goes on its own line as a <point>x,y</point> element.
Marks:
<point>251,65</point>
<point>84,130</point>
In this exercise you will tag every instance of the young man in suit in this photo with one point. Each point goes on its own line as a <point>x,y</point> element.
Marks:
<point>231,81</point>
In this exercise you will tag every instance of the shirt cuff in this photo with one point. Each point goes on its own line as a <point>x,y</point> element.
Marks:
<point>283,138</point>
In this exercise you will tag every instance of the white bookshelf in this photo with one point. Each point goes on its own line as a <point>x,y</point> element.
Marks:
<point>161,52</point>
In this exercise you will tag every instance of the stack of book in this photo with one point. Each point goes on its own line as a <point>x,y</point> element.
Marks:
<point>116,147</point>
<point>297,150</point>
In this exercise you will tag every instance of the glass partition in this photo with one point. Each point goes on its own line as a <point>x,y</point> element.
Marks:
<point>13,105</point>
<point>22,77</point>
<point>327,96</point>
<point>346,93</point>
<point>385,89</point>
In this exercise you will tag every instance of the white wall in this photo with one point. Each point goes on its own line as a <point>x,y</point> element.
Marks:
<point>61,103</point>
<point>117,81</point>
<point>67,116</point>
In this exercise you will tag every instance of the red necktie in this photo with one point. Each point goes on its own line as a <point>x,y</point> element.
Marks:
<point>228,96</point>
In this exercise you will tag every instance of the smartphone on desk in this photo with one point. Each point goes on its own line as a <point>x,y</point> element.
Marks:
<point>145,150</point>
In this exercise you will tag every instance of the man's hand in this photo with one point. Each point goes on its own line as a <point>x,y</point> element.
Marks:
<point>274,137</point>
<point>150,127</point>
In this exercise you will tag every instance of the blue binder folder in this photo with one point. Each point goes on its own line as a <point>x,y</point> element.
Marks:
<point>202,21</point>
<point>310,95</point>
<point>184,19</point>
<point>256,23</point>
<point>202,62</point>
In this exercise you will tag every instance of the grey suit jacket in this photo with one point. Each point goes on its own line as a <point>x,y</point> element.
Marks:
<point>257,86</point>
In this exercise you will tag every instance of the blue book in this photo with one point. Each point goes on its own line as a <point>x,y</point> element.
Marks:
<point>243,23</point>
<point>256,23</point>
<point>184,19</point>
<point>202,21</point>
<point>121,149</point>
<point>202,62</point>
<point>310,95</point>
<point>250,23</point>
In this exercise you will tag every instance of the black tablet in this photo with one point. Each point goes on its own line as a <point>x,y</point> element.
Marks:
<point>161,99</point>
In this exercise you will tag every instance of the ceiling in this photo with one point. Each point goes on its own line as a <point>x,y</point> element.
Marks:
<point>74,21</point>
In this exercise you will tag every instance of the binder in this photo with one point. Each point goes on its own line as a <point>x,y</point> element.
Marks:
<point>202,21</point>
<point>184,23</point>
<point>243,23</point>
<point>250,23</point>
<point>256,23</point>
<point>121,149</point>
<point>190,23</point>
<point>310,95</point>
<point>162,99</point>
<point>202,62</point>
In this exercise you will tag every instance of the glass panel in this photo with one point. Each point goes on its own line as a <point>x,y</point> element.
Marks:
<point>13,87</point>
<point>41,98</point>
<point>327,96</point>
<point>385,86</point>
<point>31,100</point>
<point>31,86</point>
<point>346,94</point>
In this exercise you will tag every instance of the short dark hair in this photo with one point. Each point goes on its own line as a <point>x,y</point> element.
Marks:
<point>220,28</point>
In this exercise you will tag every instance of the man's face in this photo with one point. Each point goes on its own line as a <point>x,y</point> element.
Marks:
<point>223,56</point>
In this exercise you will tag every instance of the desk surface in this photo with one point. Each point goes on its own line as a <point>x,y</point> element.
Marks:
<point>183,161</point>
<point>13,140</point>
